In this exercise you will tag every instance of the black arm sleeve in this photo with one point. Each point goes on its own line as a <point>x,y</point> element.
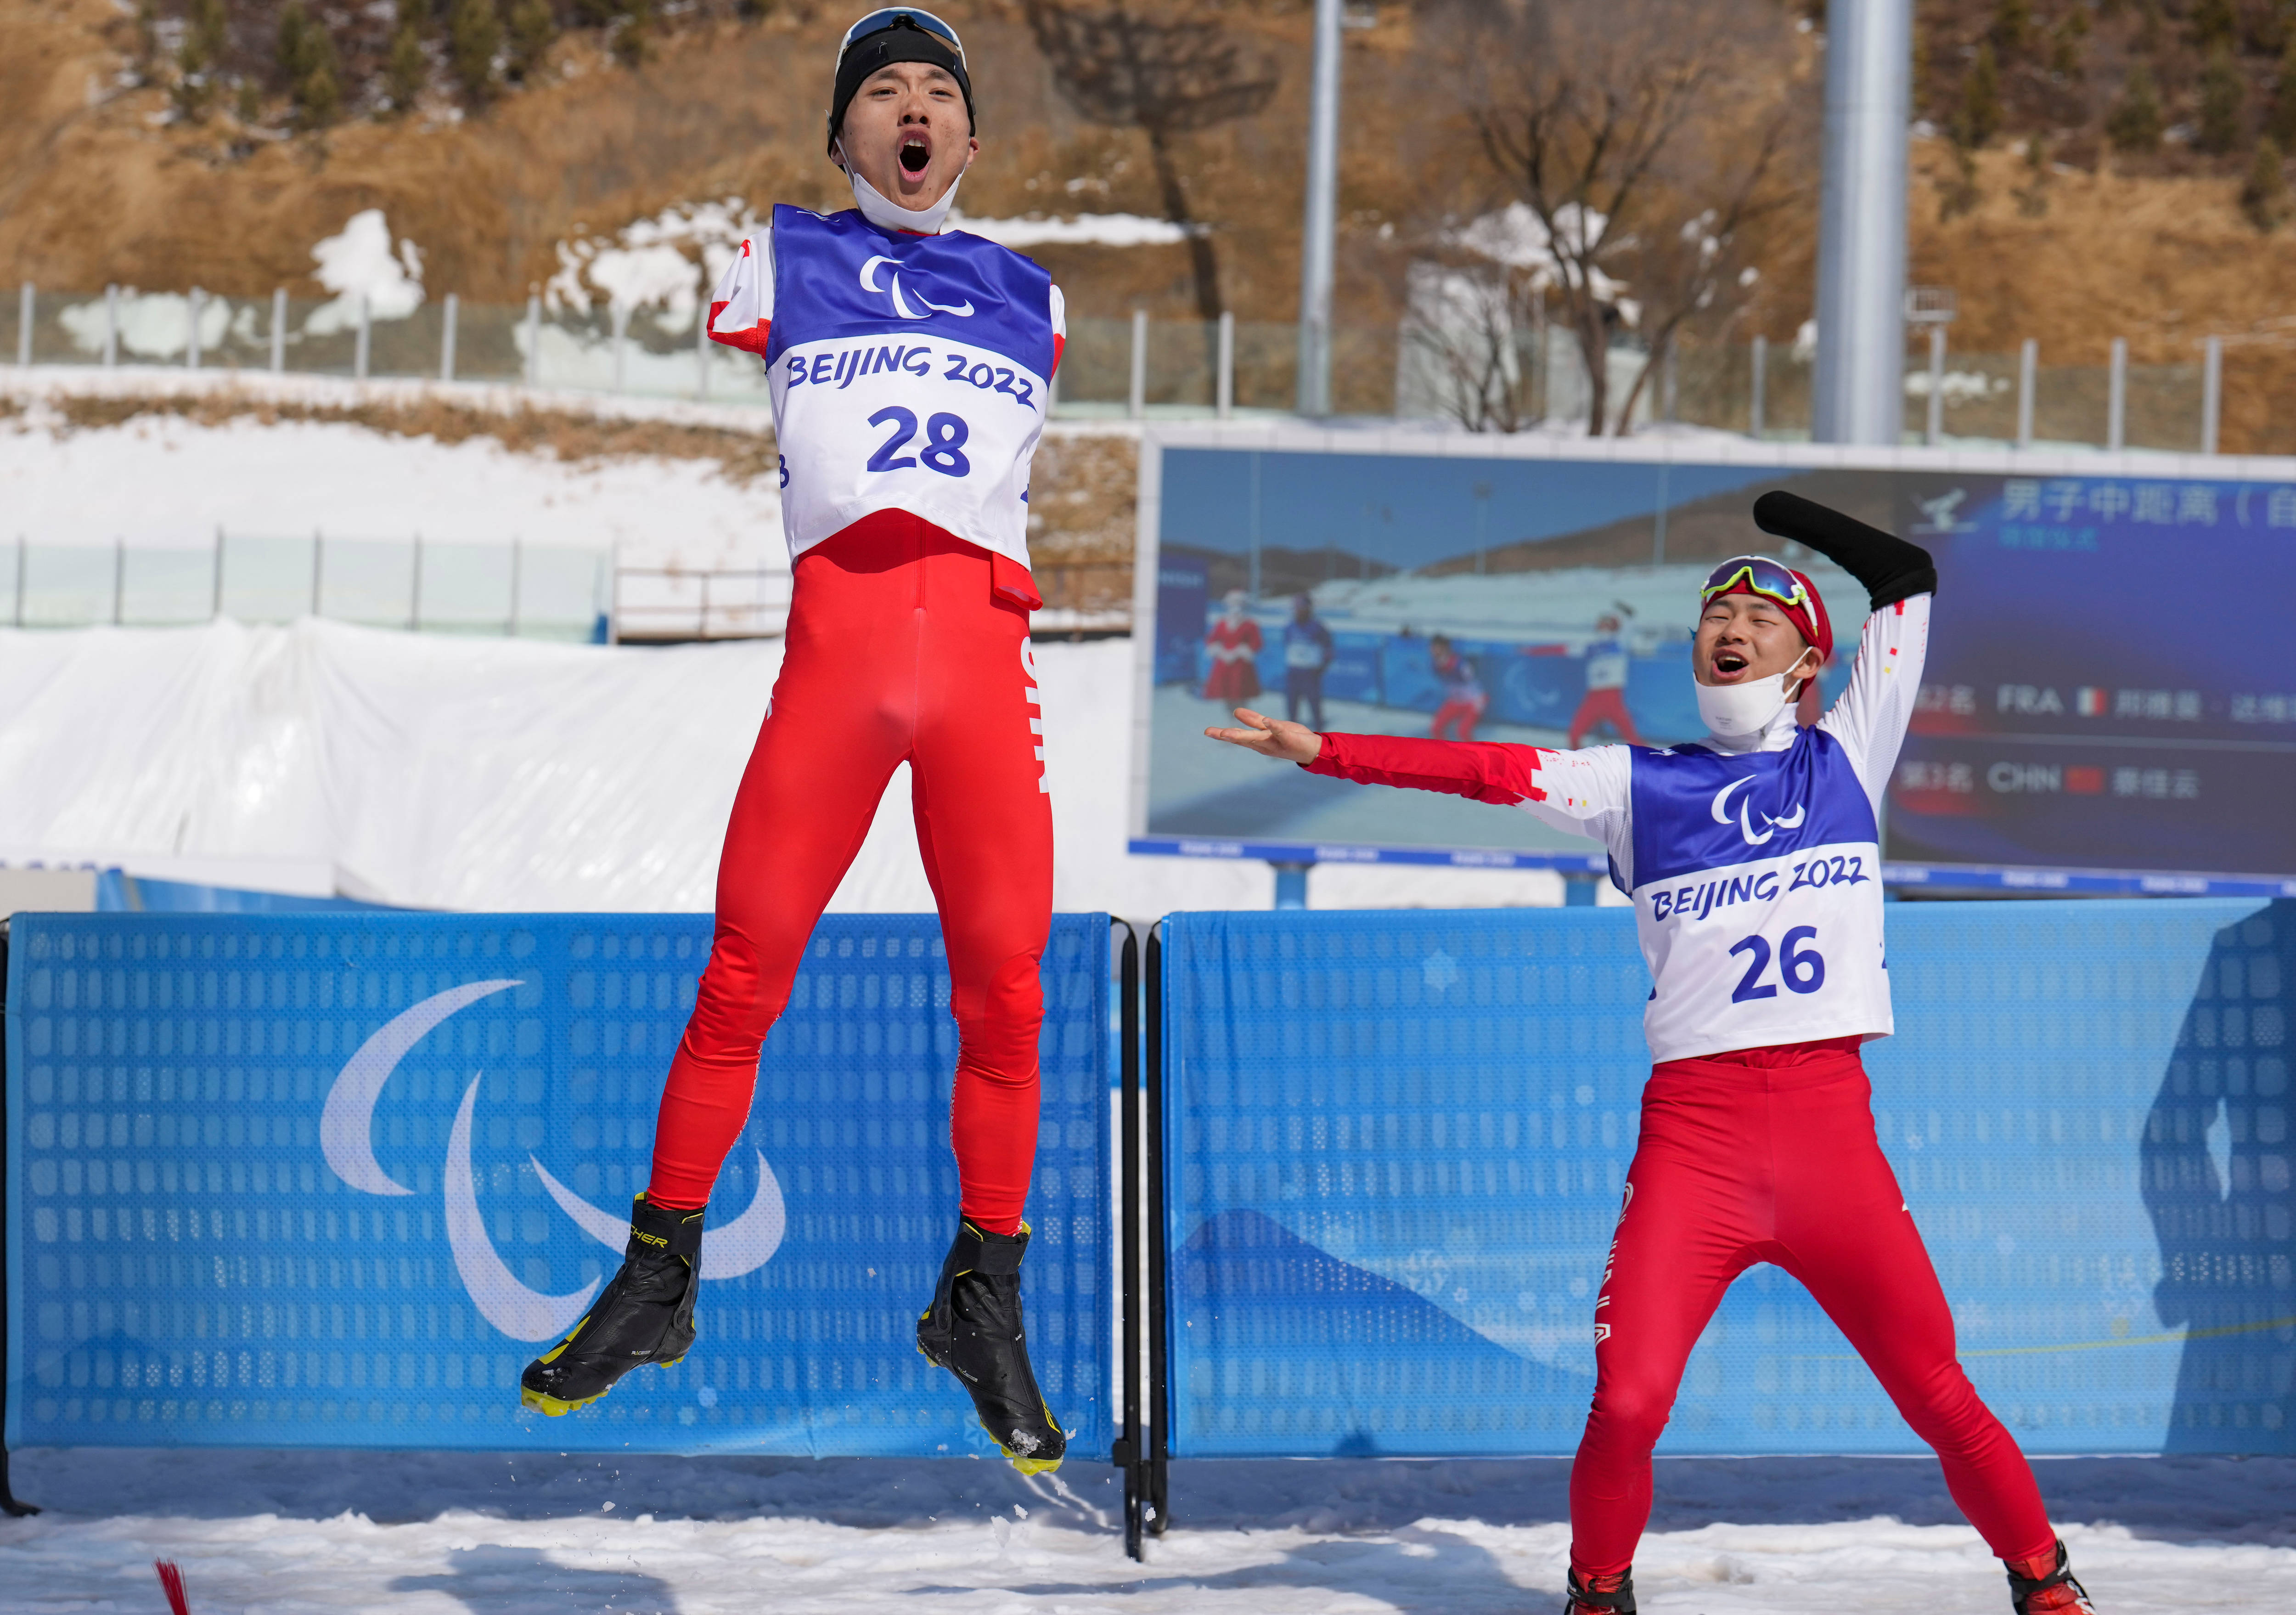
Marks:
<point>1891,568</point>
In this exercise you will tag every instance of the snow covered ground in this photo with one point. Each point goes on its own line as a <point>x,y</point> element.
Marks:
<point>161,480</point>
<point>470,1534</point>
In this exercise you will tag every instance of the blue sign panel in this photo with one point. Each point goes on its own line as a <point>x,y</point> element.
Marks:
<point>1396,1145</point>
<point>2063,722</point>
<point>287,1180</point>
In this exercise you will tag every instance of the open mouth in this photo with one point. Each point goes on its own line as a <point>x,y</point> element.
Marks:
<point>1728,665</point>
<point>916,154</point>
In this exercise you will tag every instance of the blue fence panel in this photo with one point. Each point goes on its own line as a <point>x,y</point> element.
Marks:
<point>279,1181</point>
<point>1396,1142</point>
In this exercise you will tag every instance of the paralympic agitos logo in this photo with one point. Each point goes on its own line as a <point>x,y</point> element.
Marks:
<point>346,1137</point>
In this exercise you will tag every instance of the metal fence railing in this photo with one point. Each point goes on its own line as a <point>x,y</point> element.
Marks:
<point>1423,366</point>
<point>516,589</point>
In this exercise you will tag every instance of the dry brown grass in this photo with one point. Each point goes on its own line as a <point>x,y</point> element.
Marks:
<point>1083,500</point>
<point>1081,496</point>
<point>566,435</point>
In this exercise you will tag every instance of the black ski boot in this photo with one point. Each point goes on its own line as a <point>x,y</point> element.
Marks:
<point>973,1330</point>
<point>645,1315</point>
<point>2047,1584</point>
<point>1600,1594</point>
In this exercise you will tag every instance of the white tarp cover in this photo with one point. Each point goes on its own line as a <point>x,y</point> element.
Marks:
<point>437,773</point>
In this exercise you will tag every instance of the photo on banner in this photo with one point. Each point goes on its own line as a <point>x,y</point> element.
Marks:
<point>2070,733</point>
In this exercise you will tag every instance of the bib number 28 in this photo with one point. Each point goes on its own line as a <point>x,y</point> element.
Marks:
<point>943,449</point>
<point>1801,966</point>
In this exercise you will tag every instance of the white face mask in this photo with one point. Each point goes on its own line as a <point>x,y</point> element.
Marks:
<point>1736,711</point>
<point>887,214</point>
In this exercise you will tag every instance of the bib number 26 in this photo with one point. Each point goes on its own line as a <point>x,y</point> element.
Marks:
<point>1801,966</point>
<point>943,449</point>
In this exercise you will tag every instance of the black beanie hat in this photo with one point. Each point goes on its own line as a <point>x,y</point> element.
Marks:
<point>904,41</point>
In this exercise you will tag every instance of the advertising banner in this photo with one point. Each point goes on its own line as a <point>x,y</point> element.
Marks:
<point>1396,1147</point>
<point>335,1181</point>
<point>2106,706</point>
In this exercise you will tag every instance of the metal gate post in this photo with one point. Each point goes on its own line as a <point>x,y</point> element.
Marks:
<point>9,1502</point>
<point>1155,1508</point>
<point>1130,1451</point>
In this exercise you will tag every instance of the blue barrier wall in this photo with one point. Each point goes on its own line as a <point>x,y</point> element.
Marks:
<point>332,1181</point>
<point>1396,1142</point>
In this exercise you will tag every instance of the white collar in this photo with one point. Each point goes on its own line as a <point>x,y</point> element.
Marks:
<point>887,214</point>
<point>1775,737</point>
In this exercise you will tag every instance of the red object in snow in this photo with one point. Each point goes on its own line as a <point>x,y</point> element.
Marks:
<point>171,1582</point>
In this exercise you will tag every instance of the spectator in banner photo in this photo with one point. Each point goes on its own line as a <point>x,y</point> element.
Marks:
<point>1234,643</point>
<point>1464,700</point>
<point>1752,858</point>
<point>1606,687</point>
<point>904,499</point>
<point>1306,652</point>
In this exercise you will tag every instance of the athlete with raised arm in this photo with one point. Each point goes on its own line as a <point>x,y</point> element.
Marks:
<point>1753,860</point>
<point>909,370</point>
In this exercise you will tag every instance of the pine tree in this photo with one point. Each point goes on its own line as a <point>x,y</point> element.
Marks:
<point>405,70</point>
<point>296,29</point>
<point>2067,43</point>
<point>533,27</point>
<point>319,94</point>
<point>2215,23</point>
<point>2033,195</point>
<point>210,29</point>
<point>2223,96</point>
<point>2013,26</point>
<point>313,70</point>
<point>1978,121</point>
<point>1960,193</point>
<point>474,35</point>
<point>633,40</point>
<point>2134,125</point>
<point>2281,122</point>
<point>2264,195</point>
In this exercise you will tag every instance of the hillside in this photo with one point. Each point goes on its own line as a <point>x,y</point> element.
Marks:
<point>105,176</point>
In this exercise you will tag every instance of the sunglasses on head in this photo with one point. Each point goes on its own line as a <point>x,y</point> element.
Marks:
<point>901,16</point>
<point>1754,574</point>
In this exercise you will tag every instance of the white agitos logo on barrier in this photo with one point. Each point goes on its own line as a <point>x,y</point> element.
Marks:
<point>346,1135</point>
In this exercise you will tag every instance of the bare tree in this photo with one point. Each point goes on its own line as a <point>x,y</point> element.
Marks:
<point>1647,137</point>
<point>1468,336</point>
<point>1169,74</point>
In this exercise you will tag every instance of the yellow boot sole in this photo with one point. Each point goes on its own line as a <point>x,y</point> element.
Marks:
<point>558,1406</point>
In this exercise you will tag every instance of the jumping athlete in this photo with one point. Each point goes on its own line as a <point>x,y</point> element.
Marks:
<point>1753,862</point>
<point>909,370</point>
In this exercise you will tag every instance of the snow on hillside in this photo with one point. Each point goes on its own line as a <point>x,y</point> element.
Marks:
<point>484,1534</point>
<point>158,480</point>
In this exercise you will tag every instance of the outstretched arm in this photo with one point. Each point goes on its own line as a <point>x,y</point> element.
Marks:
<point>1485,771</point>
<point>1584,792</point>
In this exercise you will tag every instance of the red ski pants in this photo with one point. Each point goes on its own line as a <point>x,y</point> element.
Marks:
<point>898,652</point>
<point>1769,1155</point>
<point>1604,707</point>
<point>1463,714</point>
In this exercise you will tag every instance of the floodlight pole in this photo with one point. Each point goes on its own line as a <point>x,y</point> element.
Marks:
<point>1858,392</point>
<point>1317,239</point>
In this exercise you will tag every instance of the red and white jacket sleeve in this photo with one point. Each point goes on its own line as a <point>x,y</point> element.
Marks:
<point>742,306</point>
<point>1060,328</point>
<point>1584,792</point>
